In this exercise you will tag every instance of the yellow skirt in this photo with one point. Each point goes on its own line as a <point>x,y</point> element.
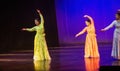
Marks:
<point>40,49</point>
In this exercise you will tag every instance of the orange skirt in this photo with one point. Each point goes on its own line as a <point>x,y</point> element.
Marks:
<point>91,46</point>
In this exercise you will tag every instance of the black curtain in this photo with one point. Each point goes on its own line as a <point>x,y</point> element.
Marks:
<point>17,14</point>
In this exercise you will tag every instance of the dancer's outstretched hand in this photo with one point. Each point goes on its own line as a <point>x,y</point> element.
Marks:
<point>76,35</point>
<point>38,11</point>
<point>23,29</point>
<point>85,15</point>
<point>103,30</point>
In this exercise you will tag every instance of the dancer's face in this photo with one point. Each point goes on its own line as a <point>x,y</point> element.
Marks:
<point>36,22</point>
<point>87,23</point>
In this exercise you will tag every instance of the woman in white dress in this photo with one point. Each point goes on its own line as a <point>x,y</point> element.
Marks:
<point>116,38</point>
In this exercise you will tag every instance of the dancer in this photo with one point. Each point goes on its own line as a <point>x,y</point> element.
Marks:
<point>116,39</point>
<point>91,47</point>
<point>40,46</point>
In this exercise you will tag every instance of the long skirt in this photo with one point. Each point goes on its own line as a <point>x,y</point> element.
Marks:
<point>91,46</point>
<point>116,45</point>
<point>40,49</point>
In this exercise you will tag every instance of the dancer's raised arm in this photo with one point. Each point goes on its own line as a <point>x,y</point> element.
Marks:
<point>90,18</point>
<point>41,16</point>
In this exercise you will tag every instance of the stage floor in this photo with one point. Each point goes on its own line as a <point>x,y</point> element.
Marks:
<point>70,58</point>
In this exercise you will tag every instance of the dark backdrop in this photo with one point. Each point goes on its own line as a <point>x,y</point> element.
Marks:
<point>17,14</point>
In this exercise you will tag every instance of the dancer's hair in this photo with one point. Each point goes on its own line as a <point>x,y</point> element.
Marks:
<point>118,12</point>
<point>88,20</point>
<point>37,19</point>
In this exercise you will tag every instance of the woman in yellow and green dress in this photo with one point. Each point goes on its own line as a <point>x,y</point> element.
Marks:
<point>40,46</point>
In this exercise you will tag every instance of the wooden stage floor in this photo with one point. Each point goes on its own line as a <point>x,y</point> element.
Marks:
<point>70,58</point>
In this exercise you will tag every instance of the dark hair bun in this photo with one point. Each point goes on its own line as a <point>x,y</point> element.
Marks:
<point>118,12</point>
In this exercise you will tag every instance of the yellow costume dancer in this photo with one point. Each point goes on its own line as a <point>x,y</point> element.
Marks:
<point>91,47</point>
<point>40,46</point>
